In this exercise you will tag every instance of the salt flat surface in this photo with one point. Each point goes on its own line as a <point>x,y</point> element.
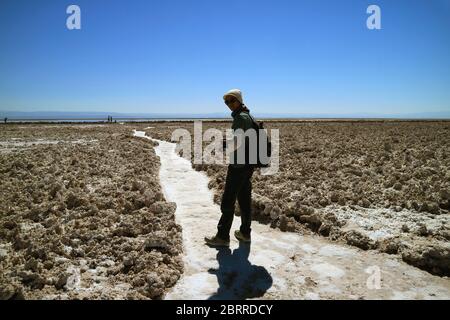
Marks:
<point>277,265</point>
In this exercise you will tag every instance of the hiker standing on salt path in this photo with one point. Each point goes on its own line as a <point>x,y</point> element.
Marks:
<point>238,183</point>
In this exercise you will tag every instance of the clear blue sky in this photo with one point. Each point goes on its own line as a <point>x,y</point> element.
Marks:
<point>311,56</point>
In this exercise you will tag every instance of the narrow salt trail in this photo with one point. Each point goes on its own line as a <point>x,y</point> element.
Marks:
<point>277,265</point>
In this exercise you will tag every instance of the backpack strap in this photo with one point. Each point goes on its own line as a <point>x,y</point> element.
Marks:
<point>253,120</point>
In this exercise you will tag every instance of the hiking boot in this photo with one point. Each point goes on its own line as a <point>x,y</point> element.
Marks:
<point>241,237</point>
<point>217,242</point>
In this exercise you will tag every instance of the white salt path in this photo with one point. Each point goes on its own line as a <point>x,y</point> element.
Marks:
<point>278,265</point>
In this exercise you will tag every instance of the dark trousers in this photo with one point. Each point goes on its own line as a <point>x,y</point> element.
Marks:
<point>238,186</point>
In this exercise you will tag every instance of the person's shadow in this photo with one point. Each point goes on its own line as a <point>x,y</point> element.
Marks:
<point>237,277</point>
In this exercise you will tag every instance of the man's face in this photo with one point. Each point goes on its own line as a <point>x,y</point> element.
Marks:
<point>232,103</point>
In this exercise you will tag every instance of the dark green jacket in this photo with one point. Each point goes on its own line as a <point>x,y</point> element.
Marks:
<point>241,120</point>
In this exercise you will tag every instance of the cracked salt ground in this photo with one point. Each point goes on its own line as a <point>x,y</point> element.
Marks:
<point>277,265</point>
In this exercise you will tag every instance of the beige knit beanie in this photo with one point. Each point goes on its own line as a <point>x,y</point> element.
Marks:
<point>234,93</point>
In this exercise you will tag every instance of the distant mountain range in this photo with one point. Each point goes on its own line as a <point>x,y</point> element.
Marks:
<point>61,115</point>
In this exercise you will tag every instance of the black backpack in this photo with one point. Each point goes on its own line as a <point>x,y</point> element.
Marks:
<point>261,134</point>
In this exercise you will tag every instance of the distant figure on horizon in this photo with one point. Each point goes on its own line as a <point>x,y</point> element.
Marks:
<point>6,119</point>
<point>238,183</point>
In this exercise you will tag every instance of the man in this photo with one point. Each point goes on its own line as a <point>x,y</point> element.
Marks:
<point>238,182</point>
